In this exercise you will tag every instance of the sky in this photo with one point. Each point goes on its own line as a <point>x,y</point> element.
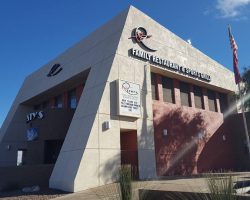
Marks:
<point>33,32</point>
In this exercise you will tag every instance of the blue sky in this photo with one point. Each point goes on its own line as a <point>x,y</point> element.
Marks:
<point>32,32</point>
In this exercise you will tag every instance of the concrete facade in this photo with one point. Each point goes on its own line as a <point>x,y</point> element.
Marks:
<point>90,155</point>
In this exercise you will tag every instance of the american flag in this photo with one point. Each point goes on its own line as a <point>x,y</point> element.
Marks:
<point>234,47</point>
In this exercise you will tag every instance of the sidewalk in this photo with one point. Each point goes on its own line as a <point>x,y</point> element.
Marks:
<point>181,185</point>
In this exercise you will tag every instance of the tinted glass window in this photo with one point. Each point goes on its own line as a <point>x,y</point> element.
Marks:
<point>198,97</point>
<point>168,89</point>
<point>223,102</point>
<point>72,102</point>
<point>211,100</point>
<point>184,91</point>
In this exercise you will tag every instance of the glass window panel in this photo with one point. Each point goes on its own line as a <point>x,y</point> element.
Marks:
<point>168,89</point>
<point>72,102</point>
<point>211,100</point>
<point>223,102</point>
<point>198,97</point>
<point>184,91</point>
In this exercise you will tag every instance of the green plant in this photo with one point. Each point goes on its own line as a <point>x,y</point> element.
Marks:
<point>125,181</point>
<point>221,187</point>
<point>126,188</point>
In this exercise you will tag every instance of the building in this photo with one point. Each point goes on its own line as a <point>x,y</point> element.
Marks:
<point>132,92</point>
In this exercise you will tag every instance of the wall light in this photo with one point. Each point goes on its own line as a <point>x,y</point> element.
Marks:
<point>107,125</point>
<point>165,132</point>
<point>224,137</point>
<point>8,147</point>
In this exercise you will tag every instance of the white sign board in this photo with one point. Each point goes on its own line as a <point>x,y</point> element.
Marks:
<point>129,99</point>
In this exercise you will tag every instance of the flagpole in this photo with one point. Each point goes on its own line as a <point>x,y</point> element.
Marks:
<point>237,77</point>
<point>244,118</point>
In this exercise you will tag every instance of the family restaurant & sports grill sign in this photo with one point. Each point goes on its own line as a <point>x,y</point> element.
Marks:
<point>166,64</point>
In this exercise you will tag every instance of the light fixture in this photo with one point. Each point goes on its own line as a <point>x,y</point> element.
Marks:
<point>224,137</point>
<point>107,125</point>
<point>8,147</point>
<point>165,132</point>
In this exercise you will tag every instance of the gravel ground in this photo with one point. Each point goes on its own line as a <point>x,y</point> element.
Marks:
<point>43,194</point>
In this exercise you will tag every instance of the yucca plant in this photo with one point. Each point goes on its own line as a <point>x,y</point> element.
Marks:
<point>125,189</point>
<point>221,187</point>
<point>125,181</point>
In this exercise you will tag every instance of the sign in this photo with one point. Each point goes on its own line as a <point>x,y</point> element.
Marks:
<point>32,134</point>
<point>166,64</point>
<point>55,69</point>
<point>129,99</point>
<point>139,35</point>
<point>34,115</point>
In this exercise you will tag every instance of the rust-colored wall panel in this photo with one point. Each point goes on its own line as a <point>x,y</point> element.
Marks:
<point>194,142</point>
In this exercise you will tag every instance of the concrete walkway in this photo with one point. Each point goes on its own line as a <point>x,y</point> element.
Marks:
<point>179,184</point>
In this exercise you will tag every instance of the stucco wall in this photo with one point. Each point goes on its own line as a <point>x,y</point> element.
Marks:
<point>183,151</point>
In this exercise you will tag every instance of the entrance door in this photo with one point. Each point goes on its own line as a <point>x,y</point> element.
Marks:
<point>129,152</point>
<point>52,149</point>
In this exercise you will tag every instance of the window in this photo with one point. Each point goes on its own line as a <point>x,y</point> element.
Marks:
<point>72,102</point>
<point>211,100</point>
<point>184,90</point>
<point>51,150</point>
<point>21,154</point>
<point>58,102</point>
<point>153,86</point>
<point>223,102</point>
<point>198,100</point>
<point>168,89</point>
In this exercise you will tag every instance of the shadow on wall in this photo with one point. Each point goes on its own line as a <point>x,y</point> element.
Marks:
<point>231,152</point>
<point>176,152</point>
<point>146,139</point>
<point>109,170</point>
<point>219,152</point>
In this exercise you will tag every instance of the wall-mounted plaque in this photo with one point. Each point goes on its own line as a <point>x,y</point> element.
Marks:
<point>129,99</point>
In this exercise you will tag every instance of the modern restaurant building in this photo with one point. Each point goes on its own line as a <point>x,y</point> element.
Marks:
<point>132,92</point>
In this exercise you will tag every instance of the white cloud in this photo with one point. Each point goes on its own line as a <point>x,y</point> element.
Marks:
<point>231,8</point>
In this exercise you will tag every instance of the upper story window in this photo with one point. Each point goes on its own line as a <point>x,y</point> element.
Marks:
<point>211,100</point>
<point>184,91</point>
<point>223,102</point>
<point>198,97</point>
<point>72,102</point>
<point>168,89</point>
<point>153,86</point>
<point>58,102</point>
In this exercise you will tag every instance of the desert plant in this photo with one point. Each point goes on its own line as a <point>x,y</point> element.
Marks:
<point>125,182</point>
<point>221,187</point>
<point>125,189</point>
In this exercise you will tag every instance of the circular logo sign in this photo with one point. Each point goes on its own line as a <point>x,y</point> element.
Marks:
<point>140,35</point>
